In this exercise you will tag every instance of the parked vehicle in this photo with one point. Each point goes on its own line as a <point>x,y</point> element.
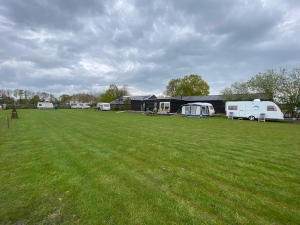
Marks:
<point>45,105</point>
<point>103,106</point>
<point>80,105</point>
<point>253,110</point>
<point>197,109</point>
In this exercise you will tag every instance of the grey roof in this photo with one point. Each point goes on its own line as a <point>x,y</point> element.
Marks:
<point>185,98</point>
<point>202,98</point>
<point>134,97</point>
<point>139,97</point>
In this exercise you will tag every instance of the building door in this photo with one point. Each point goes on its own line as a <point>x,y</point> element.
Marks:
<point>143,107</point>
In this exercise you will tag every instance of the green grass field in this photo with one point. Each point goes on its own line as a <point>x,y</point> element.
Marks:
<point>88,167</point>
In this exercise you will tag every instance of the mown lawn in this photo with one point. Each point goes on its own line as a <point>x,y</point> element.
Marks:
<point>87,167</point>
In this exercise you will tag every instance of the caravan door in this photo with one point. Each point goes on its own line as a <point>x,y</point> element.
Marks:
<point>242,110</point>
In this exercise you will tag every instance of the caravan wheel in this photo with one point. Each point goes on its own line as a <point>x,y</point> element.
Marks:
<point>251,118</point>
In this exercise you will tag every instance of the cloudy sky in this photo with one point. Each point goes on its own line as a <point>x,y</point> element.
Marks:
<point>66,47</point>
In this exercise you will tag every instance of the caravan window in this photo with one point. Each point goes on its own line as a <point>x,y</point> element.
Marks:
<point>40,104</point>
<point>204,109</point>
<point>232,107</point>
<point>271,108</point>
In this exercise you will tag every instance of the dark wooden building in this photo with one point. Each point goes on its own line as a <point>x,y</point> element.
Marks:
<point>171,104</point>
<point>175,103</point>
<point>136,105</point>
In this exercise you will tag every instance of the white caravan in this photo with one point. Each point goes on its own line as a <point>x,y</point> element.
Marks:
<point>103,106</point>
<point>197,109</point>
<point>44,105</point>
<point>253,110</point>
<point>80,106</point>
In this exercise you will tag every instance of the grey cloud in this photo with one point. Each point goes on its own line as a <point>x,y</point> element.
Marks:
<point>67,46</point>
<point>36,14</point>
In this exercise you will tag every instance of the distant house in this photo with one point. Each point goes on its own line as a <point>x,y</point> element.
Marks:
<point>121,102</point>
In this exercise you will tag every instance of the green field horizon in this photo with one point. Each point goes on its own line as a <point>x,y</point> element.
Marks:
<point>86,167</point>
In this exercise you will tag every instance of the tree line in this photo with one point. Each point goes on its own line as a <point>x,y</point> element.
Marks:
<point>29,99</point>
<point>281,87</point>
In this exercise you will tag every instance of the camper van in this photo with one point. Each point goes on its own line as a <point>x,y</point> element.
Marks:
<point>253,110</point>
<point>197,109</point>
<point>103,106</point>
<point>44,105</point>
<point>79,106</point>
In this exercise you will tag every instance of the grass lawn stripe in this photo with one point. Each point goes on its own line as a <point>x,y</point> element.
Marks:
<point>82,166</point>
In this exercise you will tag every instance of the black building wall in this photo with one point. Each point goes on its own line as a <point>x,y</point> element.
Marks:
<point>136,105</point>
<point>175,104</point>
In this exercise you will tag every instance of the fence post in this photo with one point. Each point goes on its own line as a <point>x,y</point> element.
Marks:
<point>7,122</point>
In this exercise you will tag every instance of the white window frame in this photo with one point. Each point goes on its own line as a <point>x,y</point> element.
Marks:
<point>164,106</point>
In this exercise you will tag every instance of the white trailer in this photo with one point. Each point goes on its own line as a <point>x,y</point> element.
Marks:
<point>253,110</point>
<point>197,109</point>
<point>103,106</point>
<point>79,105</point>
<point>44,105</point>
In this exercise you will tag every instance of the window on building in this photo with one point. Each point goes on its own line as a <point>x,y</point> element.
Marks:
<point>232,107</point>
<point>164,106</point>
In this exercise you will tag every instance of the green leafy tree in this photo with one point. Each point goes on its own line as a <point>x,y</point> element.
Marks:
<point>290,91</point>
<point>192,85</point>
<point>267,84</point>
<point>173,87</point>
<point>238,91</point>
<point>113,93</point>
<point>35,99</point>
<point>64,99</point>
<point>127,103</point>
